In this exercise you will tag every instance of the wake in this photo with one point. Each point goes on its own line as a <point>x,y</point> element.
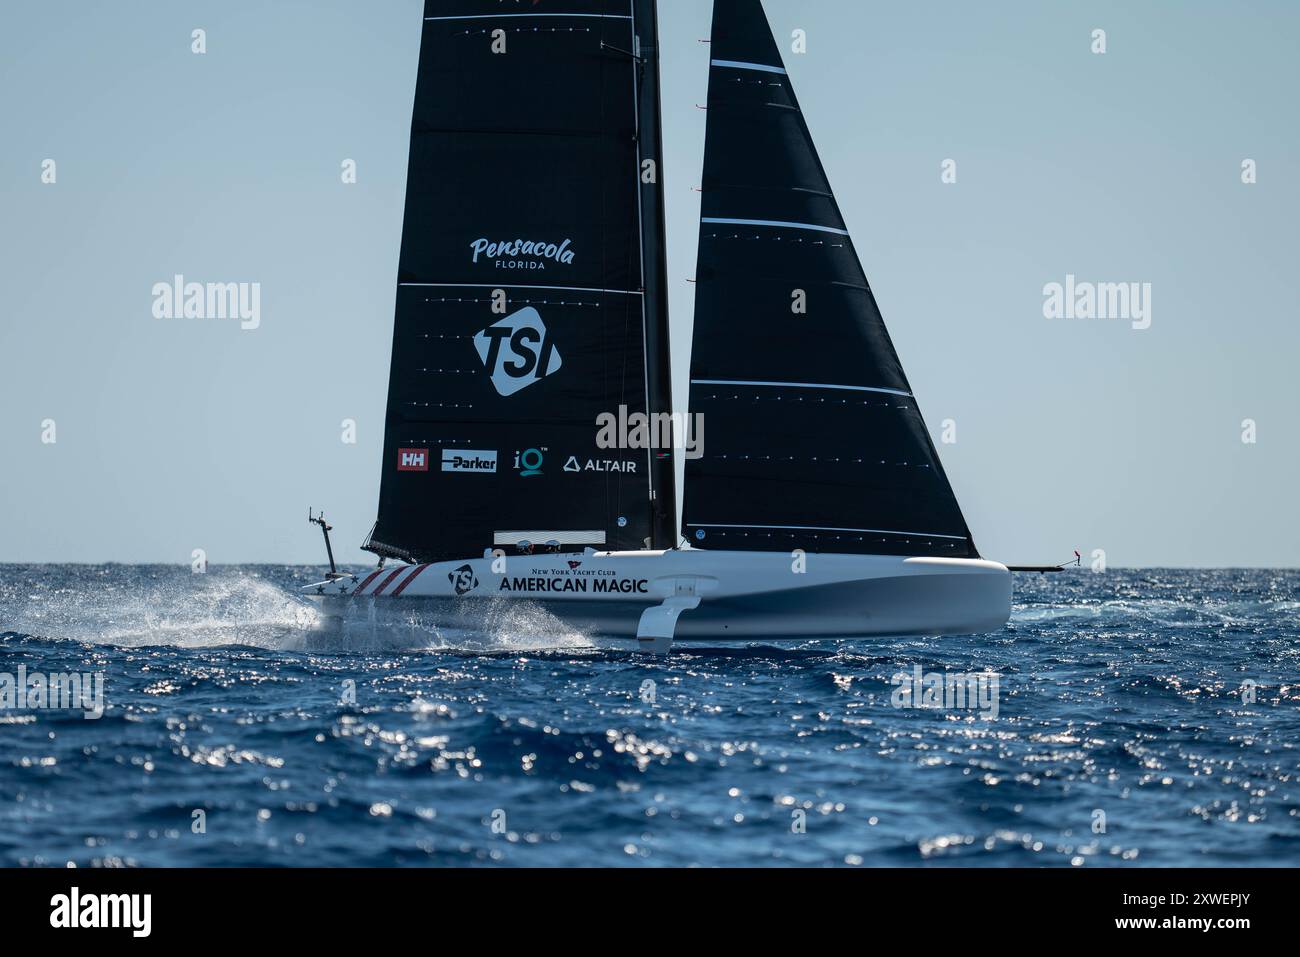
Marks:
<point>233,607</point>
<point>503,627</point>
<point>125,607</point>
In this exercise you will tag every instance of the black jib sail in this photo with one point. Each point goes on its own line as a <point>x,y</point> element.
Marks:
<point>813,439</point>
<point>530,296</point>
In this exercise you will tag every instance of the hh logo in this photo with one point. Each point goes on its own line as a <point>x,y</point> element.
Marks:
<point>463,580</point>
<point>517,352</point>
<point>412,460</point>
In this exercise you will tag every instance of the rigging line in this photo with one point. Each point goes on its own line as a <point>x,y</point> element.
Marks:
<point>604,258</point>
<point>638,79</point>
<point>627,53</point>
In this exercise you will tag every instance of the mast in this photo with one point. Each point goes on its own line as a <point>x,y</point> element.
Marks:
<point>530,296</point>
<point>655,269</point>
<point>815,440</point>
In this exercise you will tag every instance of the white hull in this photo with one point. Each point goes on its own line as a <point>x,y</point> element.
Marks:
<point>691,594</point>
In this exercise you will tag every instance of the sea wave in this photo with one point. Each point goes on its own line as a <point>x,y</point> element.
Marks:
<point>1143,718</point>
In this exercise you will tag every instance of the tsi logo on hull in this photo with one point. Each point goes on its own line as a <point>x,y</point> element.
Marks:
<point>468,460</point>
<point>517,352</point>
<point>463,580</point>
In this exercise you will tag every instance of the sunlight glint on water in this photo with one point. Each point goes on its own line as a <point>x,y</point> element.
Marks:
<point>1120,693</point>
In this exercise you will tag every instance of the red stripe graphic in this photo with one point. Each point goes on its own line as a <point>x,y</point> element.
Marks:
<point>388,581</point>
<point>410,578</point>
<point>369,578</point>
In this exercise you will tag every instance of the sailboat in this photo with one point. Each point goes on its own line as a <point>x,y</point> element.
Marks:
<point>532,305</point>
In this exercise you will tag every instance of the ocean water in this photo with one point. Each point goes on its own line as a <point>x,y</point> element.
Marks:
<point>1143,718</point>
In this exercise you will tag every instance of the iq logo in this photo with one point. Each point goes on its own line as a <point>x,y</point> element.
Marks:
<point>529,464</point>
<point>518,352</point>
<point>412,460</point>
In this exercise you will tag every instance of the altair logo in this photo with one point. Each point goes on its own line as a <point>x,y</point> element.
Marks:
<point>522,253</point>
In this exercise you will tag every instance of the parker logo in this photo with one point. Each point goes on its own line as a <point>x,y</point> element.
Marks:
<point>518,352</point>
<point>412,460</point>
<point>463,580</point>
<point>468,460</point>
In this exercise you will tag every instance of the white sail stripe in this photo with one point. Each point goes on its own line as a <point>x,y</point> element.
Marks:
<point>818,528</point>
<point>741,65</point>
<point>508,285</point>
<point>516,16</point>
<point>801,385</point>
<point>776,223</point>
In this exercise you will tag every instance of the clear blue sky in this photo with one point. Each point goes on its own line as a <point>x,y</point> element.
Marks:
<point>173,436</point>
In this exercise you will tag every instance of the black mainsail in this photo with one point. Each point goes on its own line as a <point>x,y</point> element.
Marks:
<point>531,290</point>
<point>814,438</point>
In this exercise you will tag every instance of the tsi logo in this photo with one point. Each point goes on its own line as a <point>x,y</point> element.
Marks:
<point>467,460</point>
<point>463,580</point>
<point>412,460</point>
<point>517,352</point>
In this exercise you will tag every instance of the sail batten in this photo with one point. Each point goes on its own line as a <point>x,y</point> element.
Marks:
<point>775,224</point>
<point>802,385</point>
<point>530,294</point>
<point>813,436</point>
<point>757,67</point>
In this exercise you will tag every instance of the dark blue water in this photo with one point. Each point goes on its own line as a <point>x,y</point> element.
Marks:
<point>1121,738</point>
